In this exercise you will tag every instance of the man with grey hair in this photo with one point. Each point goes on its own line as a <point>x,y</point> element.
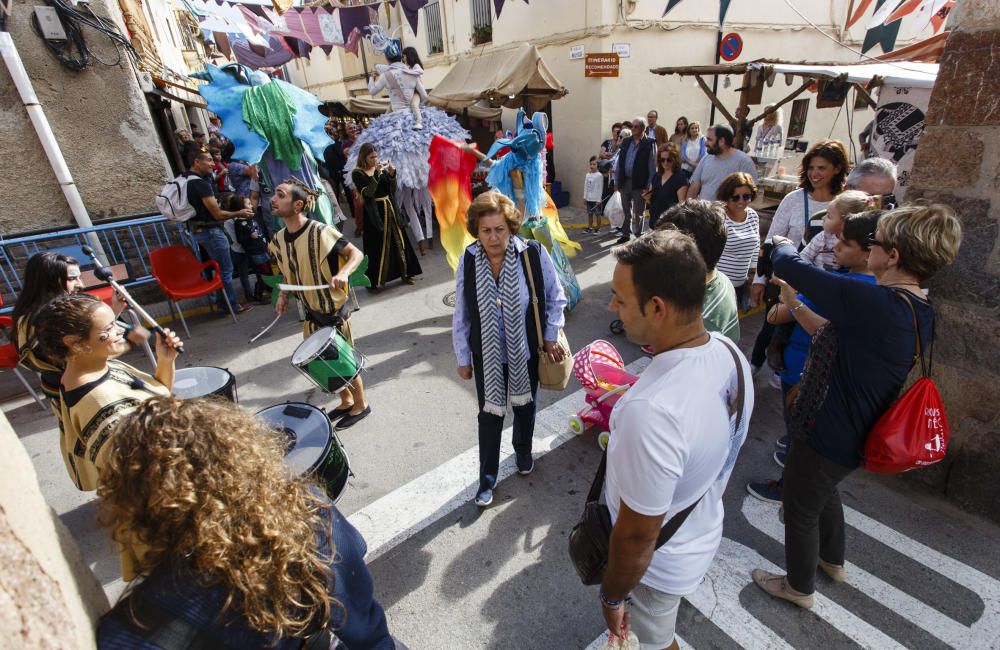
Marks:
<point>636,168</point>
<point>875,176</point>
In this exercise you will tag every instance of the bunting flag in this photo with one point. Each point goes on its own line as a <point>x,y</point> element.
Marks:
<point>411,9</point>
<point>449,182</point>
<point>883,10</point>
<point>859,12</point>
<point>905,9</point>
<point>723,9</point>
<point>939,16</point>
<point>884,35</point>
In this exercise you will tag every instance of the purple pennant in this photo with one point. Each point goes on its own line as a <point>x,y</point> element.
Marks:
<point>352,18</point>
<point>411,9</point>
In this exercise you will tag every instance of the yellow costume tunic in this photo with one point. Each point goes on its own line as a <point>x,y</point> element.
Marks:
<point>90,413</point>
<point>47,371</point>
<point>307,257</point>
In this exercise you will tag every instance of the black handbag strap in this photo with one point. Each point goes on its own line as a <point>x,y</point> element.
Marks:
<point>925,366</point>
<point>675,522</point>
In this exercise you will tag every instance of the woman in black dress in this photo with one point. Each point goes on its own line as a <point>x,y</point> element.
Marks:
<point>669,186</point>
<point>390,254</point>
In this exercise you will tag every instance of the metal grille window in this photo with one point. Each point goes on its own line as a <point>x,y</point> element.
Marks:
<point>432,20</point>
<point>482,22</point>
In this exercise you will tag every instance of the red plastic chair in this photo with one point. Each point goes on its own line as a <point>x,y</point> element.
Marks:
<point>179,274</point>
<point>9,358</point>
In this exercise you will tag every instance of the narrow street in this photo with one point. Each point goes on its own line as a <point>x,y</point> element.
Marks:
<point>920,574</point>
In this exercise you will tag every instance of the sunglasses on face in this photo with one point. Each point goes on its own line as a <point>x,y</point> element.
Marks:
<point>874,242</point>
<point>741,197</point>
<point>666,159</point>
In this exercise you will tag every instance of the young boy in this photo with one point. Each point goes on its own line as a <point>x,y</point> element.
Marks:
<point>820,250</point>
<point>593,187</point>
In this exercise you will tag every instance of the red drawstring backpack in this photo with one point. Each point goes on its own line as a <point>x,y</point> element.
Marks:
<point>913,432</point>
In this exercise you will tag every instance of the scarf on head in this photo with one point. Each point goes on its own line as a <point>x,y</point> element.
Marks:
<point>503,296</point>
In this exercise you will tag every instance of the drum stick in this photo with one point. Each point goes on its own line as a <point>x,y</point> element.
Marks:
<point>105,274</point>
<point>265,330</point>
<point>303,287</point>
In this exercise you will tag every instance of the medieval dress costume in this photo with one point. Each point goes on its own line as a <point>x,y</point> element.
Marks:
<point>390,255</point>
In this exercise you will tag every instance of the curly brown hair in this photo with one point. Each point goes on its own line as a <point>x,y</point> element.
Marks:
<point>203,481</point>
<point>835,153</point>
<point>675,157</point>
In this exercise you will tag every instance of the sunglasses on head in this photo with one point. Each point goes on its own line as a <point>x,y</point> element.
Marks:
<point>744,197</point>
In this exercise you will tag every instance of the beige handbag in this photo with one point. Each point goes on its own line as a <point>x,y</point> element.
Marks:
<point>551,375</point>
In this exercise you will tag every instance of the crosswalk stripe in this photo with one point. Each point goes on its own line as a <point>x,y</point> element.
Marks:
<point>402,513</point>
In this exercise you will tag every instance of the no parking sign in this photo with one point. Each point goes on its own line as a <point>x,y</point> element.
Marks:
<point>731,46</point>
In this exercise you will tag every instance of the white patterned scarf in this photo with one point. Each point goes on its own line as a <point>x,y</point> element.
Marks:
<point>504,296</point>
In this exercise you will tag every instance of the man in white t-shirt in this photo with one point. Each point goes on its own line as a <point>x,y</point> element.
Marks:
<point>673,439</point>
<point>722,161</point>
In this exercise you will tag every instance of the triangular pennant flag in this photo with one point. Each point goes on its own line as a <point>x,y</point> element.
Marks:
<point>411,9</point>
<point>905,9</point>
<point>884,35</point>
<point>939,17</point>
<point>859,12</point>
<point>882,11</point>
<point>723,9</point>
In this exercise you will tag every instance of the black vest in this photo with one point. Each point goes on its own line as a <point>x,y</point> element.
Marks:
<point>640,168</point>
<point>472,300</point>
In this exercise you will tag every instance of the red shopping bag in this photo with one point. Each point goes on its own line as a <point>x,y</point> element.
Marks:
<point>914,431</point>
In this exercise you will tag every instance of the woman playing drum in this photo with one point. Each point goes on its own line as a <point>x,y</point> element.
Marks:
<point>79,333</point>
<point>235,552</point>
<point>308,253</point>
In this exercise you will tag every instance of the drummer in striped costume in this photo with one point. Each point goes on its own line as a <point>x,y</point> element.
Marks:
<point>309,253</point>
<point>80,333</point>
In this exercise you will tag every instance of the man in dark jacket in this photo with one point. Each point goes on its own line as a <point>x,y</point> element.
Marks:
<point>636,167</point>
<point>335,159</point>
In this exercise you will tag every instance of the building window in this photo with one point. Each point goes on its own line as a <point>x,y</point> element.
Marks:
<point>432,22</point>
<point>482,22</point>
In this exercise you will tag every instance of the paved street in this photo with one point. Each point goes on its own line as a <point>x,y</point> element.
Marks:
<point>921,573</point>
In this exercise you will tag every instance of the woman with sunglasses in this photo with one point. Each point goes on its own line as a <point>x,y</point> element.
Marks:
<point>858,363</point>
<point>669,186</point>
<point>739,258</point>
<point>79,333</point>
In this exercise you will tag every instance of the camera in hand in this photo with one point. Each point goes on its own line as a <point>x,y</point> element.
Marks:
<point>764,265</point>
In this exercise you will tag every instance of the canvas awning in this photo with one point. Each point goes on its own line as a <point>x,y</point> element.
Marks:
<point>378,106</point>
<point>503,78</point>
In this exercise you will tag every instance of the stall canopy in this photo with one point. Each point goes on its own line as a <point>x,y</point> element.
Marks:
<point>505,78</point>
<point>863,76</point>
<point>378,106</point>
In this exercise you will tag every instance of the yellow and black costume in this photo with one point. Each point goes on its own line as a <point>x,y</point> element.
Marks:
<point>311,256</point>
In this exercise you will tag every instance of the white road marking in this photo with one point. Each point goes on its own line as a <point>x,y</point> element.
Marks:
<point>984,633</point>
<point>402,513</point>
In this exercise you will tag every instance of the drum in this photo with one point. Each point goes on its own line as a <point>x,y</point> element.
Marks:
<point>328,360</point>
<point>314,448</point>
<point>205,381</point>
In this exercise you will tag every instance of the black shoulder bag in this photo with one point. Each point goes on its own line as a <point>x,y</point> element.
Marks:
<point>590,539</point>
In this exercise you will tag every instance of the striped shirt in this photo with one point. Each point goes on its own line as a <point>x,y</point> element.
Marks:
<point>742,246</point>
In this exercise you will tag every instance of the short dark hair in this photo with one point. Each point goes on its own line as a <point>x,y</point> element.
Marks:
<point>723,132</point>
<point>703,221</point>
<point>666,263</point>
<point>859,227</point>
<point>616,124</point>
<point>593,159</point>
<point>731,182</point>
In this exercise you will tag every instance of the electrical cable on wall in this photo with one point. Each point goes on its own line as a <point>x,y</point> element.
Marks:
<point>73,52</point>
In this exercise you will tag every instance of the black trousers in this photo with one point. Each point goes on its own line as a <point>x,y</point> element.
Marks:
<point>814,515</point>
<point>491,426</point>
<point>759,355</point>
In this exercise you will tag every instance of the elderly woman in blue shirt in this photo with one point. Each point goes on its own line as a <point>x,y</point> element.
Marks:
<point>494,332</point>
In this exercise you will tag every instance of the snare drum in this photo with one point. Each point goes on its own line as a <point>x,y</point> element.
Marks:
<point>205,381</point>
<point>314,448</point>
<point>328,360</point>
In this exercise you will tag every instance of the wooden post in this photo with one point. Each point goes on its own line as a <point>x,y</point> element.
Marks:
<point>714,99</point>
<point>738,123</point>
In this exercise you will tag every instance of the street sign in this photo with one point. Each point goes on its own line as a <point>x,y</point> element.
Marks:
<point>576,52</point>
<point>731,46</point>
<point>623,50</point>
<point>601,65</point>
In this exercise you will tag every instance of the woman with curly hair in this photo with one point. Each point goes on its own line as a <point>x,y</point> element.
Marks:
<point>234,552</point>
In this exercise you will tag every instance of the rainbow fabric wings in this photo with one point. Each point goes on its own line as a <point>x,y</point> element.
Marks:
<point>450,183</point>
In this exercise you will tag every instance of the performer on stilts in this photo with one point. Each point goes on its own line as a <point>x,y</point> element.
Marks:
<point>520,175</point>
<point>309,253</point>
<point>403,135</point>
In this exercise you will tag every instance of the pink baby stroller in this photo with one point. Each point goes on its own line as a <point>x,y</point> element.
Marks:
<point>600,370</point>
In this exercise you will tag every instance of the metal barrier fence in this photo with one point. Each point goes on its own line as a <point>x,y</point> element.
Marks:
<point>126,241</point>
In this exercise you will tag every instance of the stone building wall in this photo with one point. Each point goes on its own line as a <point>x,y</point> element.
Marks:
<point>958,162</point>
<point>48,596</point>
<point>101,121</point>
